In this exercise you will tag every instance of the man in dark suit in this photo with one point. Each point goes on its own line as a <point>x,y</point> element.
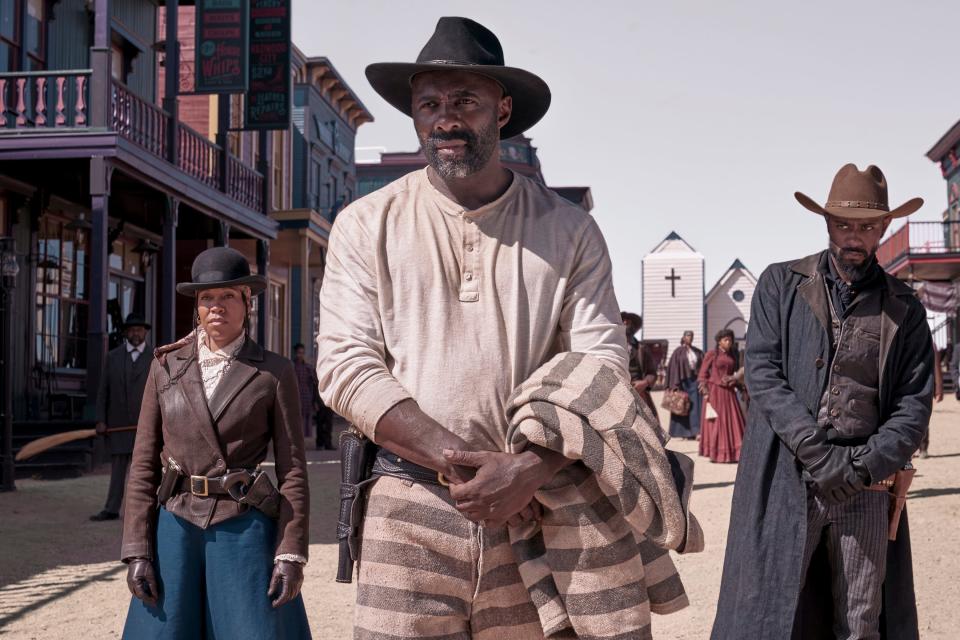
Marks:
<point>118,406</point>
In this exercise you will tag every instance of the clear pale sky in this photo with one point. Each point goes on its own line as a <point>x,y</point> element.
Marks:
<point>699,117</point>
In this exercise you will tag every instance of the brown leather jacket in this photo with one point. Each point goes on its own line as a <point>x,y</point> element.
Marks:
<point>256,402</point>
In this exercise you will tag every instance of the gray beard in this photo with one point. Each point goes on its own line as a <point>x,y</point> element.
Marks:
<point>478,152</point>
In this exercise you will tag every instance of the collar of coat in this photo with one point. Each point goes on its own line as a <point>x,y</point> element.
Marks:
<point>893,307</point>
<point>180,360</point>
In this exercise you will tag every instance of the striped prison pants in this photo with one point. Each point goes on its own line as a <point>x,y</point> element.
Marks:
<point>428,572</point>
<point>855,534</point>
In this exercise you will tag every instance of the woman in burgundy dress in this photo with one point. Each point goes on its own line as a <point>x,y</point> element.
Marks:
<point>721,436</point>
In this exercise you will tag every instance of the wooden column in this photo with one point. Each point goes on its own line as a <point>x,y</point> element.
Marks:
<point>171,78</point>
<point>263,265</point>
<point>100,56</point>
<point>99,275</point>
<point>306,296</point>
<point>167,316</point>
<point>223,126</point>
<point>263,166</point>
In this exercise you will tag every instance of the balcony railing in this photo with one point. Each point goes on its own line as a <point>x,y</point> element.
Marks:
<point>59,100</point>
<point>245,184</point>
<point>920,238</point>
<point>139,121</point>
<point>44,99</point>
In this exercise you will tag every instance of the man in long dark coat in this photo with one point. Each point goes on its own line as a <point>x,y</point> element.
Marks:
<point>682,371</point>
<point>118,406</point>
<point>839,368</point>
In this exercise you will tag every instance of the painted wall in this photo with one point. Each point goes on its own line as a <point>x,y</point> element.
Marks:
<point>725,312</point>
<point>665,315</point>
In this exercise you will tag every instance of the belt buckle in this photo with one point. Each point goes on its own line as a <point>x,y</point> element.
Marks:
<point>199,481</point>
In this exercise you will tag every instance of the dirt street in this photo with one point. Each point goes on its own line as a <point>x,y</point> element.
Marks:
<point>60,579</point>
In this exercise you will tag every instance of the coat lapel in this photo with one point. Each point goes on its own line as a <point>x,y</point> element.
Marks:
<point>191,386</point>
<point>893,312</point>
<point>236,378</point>
<point>812,289</point>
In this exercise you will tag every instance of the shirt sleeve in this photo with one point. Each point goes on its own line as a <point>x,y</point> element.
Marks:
<point>591,315</point>
<point>351,355</point>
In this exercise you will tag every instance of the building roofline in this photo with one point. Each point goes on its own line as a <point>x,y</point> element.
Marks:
<point>736,266</point>
<point>946,142</point>
<point>320,73</point>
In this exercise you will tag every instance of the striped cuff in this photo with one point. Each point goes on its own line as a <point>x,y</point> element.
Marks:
<point>290,557</point>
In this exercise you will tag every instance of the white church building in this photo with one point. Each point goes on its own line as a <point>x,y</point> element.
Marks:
<point>728,302</point>
<point>675,298</point>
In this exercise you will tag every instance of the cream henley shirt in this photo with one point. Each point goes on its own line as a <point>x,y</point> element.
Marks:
<point>456,308</point>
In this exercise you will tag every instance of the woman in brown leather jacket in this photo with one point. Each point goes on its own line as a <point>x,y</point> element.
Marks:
<point>213,549</point>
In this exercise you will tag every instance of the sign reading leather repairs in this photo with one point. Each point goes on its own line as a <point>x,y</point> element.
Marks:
<point>221,46</point>
<point>268,100</point>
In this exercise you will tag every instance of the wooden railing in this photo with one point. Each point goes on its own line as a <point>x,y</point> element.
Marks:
<point>139,121</point>
<point>48,99</point>
<point>244,184</point>
<point>199,157</point>
<point>32,100</point>
<point>920,238</point>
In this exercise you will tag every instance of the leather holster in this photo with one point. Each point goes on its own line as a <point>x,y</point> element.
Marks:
<point>357,454</point>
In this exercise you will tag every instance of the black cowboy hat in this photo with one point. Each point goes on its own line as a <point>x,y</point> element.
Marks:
<point>460,44</point>
<point>221,267</point>
<point>135,320</point>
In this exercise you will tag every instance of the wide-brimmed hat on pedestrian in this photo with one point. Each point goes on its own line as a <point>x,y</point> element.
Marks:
<point>221,267</point>
<point>859,194</point>
<point>135,320</point>
<point>460,44</point>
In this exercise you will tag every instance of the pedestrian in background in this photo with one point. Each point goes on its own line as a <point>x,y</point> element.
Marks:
<point>309,390</point>
<point>118,406</point>
<point>642,364</point>
<point>682,372</point>
<point>721,430</point>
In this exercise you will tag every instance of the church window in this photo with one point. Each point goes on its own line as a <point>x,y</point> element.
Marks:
<point>738,295</point>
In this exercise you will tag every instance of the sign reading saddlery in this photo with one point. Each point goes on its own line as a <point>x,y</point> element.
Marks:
<point>268,97</point>
<point>221,46</point>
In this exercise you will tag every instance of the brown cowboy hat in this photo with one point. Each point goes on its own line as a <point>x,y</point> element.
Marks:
<point>859,194</point>
<point>460,44</point>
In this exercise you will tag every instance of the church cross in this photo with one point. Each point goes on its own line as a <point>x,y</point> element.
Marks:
<point>673,277</point>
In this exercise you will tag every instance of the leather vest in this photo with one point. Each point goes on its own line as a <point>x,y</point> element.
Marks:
<point>851,401</point>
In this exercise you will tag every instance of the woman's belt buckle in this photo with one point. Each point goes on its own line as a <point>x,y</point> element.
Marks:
<point>199,486</point>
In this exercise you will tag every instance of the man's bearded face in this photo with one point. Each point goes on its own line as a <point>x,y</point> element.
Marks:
<point>461,153</point>
<point>854,243</point>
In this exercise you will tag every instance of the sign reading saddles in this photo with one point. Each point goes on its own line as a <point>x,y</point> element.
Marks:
<point>221,46</point>
<point>268,99</point>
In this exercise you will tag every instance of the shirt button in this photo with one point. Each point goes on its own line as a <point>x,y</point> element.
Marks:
<point>836,391</point>
<point>835,413</point>
<point>469,221</point>
<point>468,277</point>
<point>818,363</point>
<point>469,248</point>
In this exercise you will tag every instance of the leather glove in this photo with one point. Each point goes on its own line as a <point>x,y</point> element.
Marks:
<point>285,582</point>
<point>830,466</point>
<point>142,581</point>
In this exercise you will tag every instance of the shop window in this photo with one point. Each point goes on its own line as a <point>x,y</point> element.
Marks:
<point>277,169</point>
<point>34,33</point>
<point>126,287</point>
<point>276,334</point>
<point>61,295</point>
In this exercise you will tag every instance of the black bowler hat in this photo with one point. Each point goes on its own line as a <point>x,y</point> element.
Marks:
<point>221,267</point>
<point>460,44</point>
<point>135,320</point>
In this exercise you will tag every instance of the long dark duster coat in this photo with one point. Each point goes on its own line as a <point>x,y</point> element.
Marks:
<point>787,354</point>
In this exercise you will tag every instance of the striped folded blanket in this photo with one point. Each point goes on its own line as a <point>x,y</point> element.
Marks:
<point>598,564</point>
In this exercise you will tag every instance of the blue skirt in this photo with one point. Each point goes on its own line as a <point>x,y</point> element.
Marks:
<point>213,584</point>
<point>687,426</point>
